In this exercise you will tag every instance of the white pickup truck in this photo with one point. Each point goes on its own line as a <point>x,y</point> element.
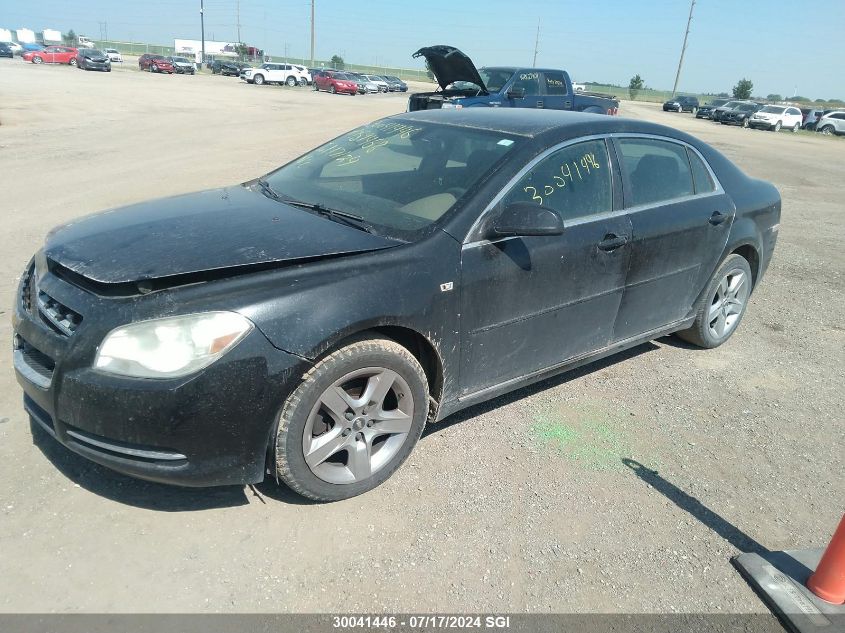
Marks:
<point>578,87</point>
<point>272,73</point>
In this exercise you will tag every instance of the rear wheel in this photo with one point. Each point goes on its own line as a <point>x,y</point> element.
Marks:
<point>352,421</point>
<point>723,304</point>
<point>72,61</point>
<point>303,83</point>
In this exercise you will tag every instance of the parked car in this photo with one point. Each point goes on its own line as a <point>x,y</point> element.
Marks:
<point>16,48</point>
<point>774,117</point>
<point>717,113</point>
<point>396,84</point>
<point>225,67</point>
<point>503,87</point>
<point>155,64</point>
<point>681,104</point>
<point>272,73</point>
<point>380,82</point>
<point>93,59</point>
<point>5,51</point>
<point>52,55</point>
<point>335,83</point>
<point>182,65</point>
<point>304,73</point>
<point>810,116</point>
<point>832,123</point>
<point>706,111</point>
<point>740,115</point>
<point>114,54</point>
<point>251,349</point>
<point>365,86</point>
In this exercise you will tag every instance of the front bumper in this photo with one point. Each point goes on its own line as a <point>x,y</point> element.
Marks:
<point>184,70</point>
<point>97,65</point>
<point>210,428</point>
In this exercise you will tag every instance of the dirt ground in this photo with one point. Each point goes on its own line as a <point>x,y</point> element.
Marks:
<point>545,500</point>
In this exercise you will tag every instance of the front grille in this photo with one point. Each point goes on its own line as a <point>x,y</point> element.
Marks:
<point>34,364</point>
<point>64,320</point>
<point>26,288</point>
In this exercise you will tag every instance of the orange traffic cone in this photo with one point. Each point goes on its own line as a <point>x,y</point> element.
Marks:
<point>828,581</point>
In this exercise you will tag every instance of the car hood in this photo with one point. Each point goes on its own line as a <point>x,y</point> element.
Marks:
<point>209,231</point>
<point>449,65</point>
<point>97,58</point>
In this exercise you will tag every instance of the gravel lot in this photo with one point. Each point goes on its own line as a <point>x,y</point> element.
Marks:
<point>521,504</point>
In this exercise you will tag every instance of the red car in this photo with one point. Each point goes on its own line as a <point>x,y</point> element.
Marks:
<point>155,64</point>
<point>52,55</point>
<point>335,83</point>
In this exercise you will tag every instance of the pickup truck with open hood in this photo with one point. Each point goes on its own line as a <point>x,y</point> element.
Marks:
<point>462,85</point>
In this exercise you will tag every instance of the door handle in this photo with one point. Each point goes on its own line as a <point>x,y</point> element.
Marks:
<point>717,218</point>
<point>539,104</point>
<point>611,242</point>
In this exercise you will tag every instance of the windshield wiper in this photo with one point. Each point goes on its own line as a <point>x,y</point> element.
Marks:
<point>267,190</point>
<point>349,219</point>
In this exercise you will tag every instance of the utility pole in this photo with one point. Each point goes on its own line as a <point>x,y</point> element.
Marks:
<point>239,30</point>
<point>312,33</point>
<point>683,48</point>
<point>536,44</point>
<point>202,30</point>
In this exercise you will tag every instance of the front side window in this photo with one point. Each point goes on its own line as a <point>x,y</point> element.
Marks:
<point>399,176</point>
<point>657,170</point>
<point>495,78</point>
<point>575,181</point>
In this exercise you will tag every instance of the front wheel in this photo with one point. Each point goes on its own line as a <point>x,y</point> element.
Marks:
<point>352,421</point>
<point>723,304</point>
<point>746,122</point>
<point>827,130</point>
<point>332,89</point>
<point>777,126</point>
<point>258,80</point>
<point>796,127</point>
<point>37,60</point>
<point>291,81</point>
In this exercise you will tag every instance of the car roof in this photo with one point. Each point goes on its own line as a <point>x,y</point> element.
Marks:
<point>533,123</point>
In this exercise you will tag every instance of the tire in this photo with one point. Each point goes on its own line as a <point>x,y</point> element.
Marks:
<point>777,127</point>
<point>153,68</point>
<point>37,60</point>
<point>291,81</point>
<point>745,122</point>
<point>827,130</point>
<point>723,304</point>
<point>332,89</point>
<point>328,403</point>
<point>796,127</point>
<point>73,61</point>
<point>302,83</point>
<point>258,80</point>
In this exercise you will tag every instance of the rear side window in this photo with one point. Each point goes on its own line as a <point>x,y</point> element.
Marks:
<point>657,170</point>
<point>528,80</point>
<point>575,181</point>
<point>555,84</point>
<point>700,176</point>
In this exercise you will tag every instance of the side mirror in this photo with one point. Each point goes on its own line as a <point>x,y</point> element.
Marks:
<point>516,93</point>
<point>528,219</point>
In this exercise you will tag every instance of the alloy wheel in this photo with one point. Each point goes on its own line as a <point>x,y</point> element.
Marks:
<point>728,303</point>
<point>358,425</point>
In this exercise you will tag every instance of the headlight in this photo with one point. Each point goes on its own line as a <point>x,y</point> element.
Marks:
<point>170,347</point>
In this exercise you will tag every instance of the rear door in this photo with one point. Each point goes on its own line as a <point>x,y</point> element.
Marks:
<point>532,303</point>
<point>556,95</point>
<point>680,218</point>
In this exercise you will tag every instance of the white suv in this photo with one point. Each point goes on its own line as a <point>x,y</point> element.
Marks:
<point>774,117</point>
<point>832,123</point>
<point>271,73</point>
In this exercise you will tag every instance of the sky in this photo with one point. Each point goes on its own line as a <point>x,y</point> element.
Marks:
<point>783,46</point>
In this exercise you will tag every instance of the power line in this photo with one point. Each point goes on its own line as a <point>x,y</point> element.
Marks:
<point>683,49</point>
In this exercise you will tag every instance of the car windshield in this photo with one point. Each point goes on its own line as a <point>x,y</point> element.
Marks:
<point>341,77</point>
<point>180,59</point>
<point>717,103</point>
<point>747,107</point>
<point>495,78</point>
<point>773,109</point>
<point>399,177</point>
<point>94,52</point>
<point>732,104</point>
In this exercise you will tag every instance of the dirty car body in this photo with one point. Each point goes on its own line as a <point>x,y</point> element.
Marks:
<point>497,247</point>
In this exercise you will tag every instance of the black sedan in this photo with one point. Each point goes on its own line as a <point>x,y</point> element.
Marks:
<point>6,51</point>
<point>740,115</point>
<point>706,111</point>
<point>681,104</point>
<point>93,59</point>
<point>225,68</point>
<point>310,323</point>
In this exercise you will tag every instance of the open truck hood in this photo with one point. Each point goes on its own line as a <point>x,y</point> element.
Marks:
<point>449,65</point>
<point>206,232</point>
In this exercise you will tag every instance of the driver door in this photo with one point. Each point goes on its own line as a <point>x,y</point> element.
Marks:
<point>533,303</point>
